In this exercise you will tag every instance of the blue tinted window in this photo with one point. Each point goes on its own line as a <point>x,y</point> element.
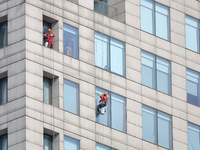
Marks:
<point>193,87</point>
<point>156,72</point>
<point>192,33</point>
<point>3,142</point>
<point>71,144</point>
<point>164,130</point>
<point>155,19</point>
<point>3,91</point>
<point>109,54</point>
<point>3,34</point>
<point>71,97</point>
<point>47,142</point>
<point>157,127</point>
<point>115,115</point>
<point>47,90</point>
<point>70,41</point>
<point>103,147</point>
<point>193,137</point>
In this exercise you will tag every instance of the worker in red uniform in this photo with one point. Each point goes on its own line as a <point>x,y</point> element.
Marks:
<point>49,37</point>
<point>103,101</point>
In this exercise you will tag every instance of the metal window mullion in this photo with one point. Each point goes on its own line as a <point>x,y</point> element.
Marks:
<point>198,45</point>
<point>198,89</point>
<point>154,17</point>
<point>156,127</point>
<point>155,72</point>
<point>109,54</point>
<point>110,113</point>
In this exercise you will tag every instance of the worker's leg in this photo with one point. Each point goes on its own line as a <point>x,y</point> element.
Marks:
<point>99,107</point>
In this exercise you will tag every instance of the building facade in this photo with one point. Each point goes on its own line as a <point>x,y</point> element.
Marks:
<point>143,53</point>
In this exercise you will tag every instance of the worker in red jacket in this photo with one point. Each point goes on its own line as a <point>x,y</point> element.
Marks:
<point>103,101</point>
<point>49,37</point>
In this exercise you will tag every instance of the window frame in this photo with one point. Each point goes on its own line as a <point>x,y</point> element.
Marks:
<point>198,86</point>
<point>154,29</point>
<point>6,22</point>
<point>77,41</point>
<point>104,146</point>
<point>189,132</point>
<point>78,97</point>
<point>51,141</point>
<point>1,136</point>
<point>155,72</point>
<point>109,55</point>
<point>156,123</point>
<point>73,139</point>
<point>1,102</point>
<point>50,82</point>
<point>109,111</point>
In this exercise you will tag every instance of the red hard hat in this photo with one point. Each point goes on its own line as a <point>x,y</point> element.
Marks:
<point>49,29</point>
<point>105,93</point>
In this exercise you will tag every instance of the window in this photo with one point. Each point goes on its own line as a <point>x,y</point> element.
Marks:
<point>3,91</point>
<point>3,34</point>
<point>156,72</point>
<point>109,54</point>
<point>47,142</point>
<point>47,92</point>
<point>155,19</point>
<point>193,87</point>
<point>103,147</point>
<point>193,137</point>
<point>71,144</point>
<point>71,97</point>
<point>70,41</point>
<point>100,6</point>
<point>46,26</point>
<point>157,127</point>
<point>115,116</point>
<point>4,142</point>
<point>192,33</point>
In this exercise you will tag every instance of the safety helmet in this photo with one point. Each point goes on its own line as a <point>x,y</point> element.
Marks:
<point>49,30</point>
<point>105,93</point>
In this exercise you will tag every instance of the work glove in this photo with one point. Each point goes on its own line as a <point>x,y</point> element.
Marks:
<point>51,34</point>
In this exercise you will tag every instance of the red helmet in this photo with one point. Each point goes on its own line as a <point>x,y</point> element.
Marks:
<point>49,30</point>
<point>105,93</point>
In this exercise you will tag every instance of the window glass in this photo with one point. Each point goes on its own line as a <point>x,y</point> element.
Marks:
<point>102,51</point>
<point>118,109</point>
<point>117,56</point>
<point>148,70</point>
<point>70,41</point>
<point>164,130</point>
<point>192,87</point>
<point>192,33</point>
<point>162,21</point>
<point>4,142</point>
<point>193,137</point>
<point>71,144</point>
<point>3,34</point>
<point>47,90</point>
<point>47,142</point>
<point>163,75</point>
<point>103,147</point>
<point>109,54</point>
<point>103,119</point>
<point>3,91</point>
<point>101,6</point>
<point>149,124</point>
<point>157,127</point>
<point>147,16</point>
<point>155,19</point>
<point>71,97</point>
<point>115,115</point>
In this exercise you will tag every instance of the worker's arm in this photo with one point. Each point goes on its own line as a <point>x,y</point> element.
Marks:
<point>52,35</point>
